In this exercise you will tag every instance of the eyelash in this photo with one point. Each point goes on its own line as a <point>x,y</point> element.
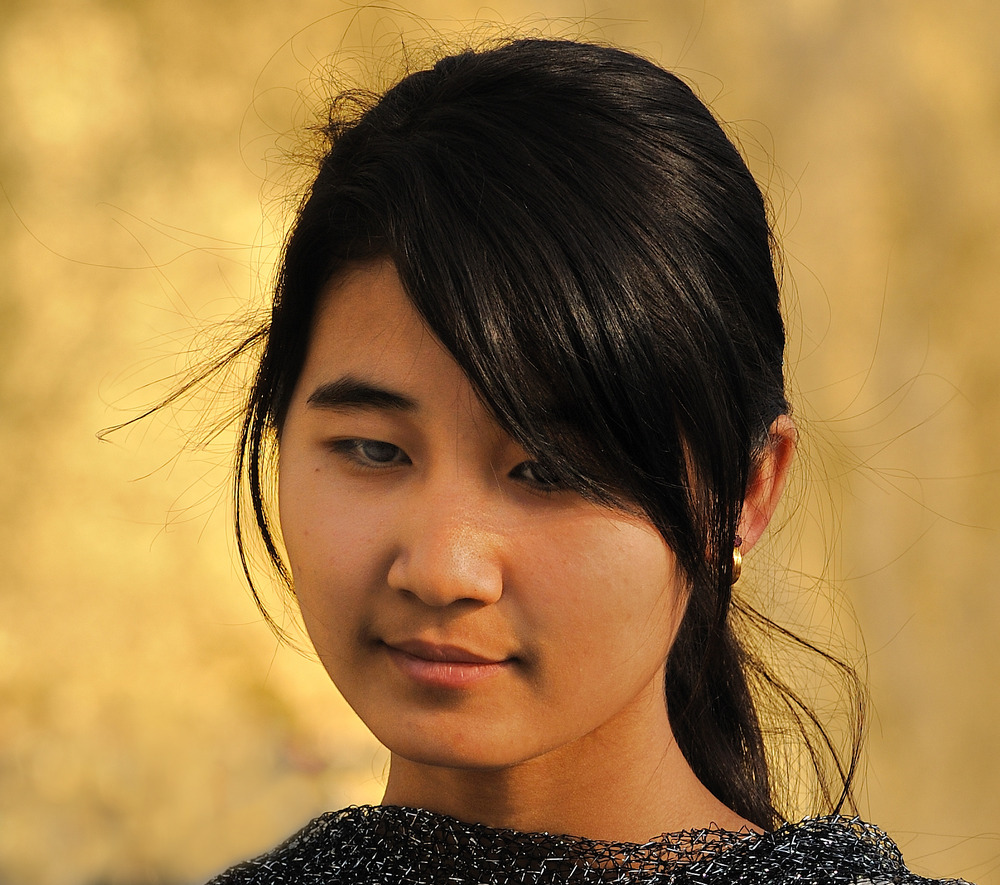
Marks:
<point>540,484</point>
<point>354,450</point>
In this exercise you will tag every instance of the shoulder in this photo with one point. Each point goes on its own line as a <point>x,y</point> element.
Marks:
<point>830,850</point>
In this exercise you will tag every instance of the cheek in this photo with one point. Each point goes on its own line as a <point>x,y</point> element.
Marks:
<point>609,587</point>
<point>334,550</point>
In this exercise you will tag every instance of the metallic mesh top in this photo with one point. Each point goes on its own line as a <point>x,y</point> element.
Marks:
<point>389,845</point>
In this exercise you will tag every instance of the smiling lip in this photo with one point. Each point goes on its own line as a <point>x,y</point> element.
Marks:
<point>443,666</point>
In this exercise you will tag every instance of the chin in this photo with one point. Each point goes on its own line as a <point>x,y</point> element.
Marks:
<point>456,749</point>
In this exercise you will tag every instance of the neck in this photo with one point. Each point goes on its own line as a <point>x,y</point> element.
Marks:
<point>613,785</point>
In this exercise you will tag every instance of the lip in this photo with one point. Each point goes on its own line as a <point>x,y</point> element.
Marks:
<point>433,651</point>
<point>443,665</point>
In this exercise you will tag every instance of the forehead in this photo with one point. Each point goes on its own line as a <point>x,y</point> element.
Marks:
<point>366,328</point>
<point>365,316</point>
<point>363,305</point>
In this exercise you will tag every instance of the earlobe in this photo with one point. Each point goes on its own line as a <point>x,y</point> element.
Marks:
<point>768,481</point>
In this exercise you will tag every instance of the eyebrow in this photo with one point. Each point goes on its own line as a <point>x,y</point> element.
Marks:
<point>353,393</point>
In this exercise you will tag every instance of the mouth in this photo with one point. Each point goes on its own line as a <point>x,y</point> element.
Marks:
<point>442,652</point>
<point>444,666</point>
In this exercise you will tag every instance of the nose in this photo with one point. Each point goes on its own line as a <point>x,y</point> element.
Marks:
<point>448,551</point>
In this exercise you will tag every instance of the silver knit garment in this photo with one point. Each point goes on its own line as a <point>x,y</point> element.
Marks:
<point>389,845</point>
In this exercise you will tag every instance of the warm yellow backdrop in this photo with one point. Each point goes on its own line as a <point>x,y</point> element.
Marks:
<point>150,730</point>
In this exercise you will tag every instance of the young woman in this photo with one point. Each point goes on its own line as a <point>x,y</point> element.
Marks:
<point>523,387</point>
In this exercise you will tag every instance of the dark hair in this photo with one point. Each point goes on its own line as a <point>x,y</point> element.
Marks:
<point>580,234</point>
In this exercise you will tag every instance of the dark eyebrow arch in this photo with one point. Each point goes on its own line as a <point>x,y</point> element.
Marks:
<point>353,393</point>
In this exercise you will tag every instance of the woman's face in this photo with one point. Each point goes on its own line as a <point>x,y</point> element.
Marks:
<point>472,615</point>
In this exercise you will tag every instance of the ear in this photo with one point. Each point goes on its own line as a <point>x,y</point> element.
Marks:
<point>767,481</point>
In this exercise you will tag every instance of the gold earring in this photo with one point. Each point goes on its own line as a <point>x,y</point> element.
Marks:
<point>737,560</point>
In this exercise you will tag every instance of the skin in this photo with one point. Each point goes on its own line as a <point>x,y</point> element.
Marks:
<point>506,640</point>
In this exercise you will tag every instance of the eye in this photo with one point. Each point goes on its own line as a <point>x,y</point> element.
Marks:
<point>537,474</point>
<point>371,453</point>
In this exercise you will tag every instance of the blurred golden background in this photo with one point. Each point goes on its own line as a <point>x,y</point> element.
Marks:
<point>151,730</point>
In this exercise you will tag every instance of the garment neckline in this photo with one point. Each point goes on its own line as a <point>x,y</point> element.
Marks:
<point>686,846</point>
<point>833,819</point>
